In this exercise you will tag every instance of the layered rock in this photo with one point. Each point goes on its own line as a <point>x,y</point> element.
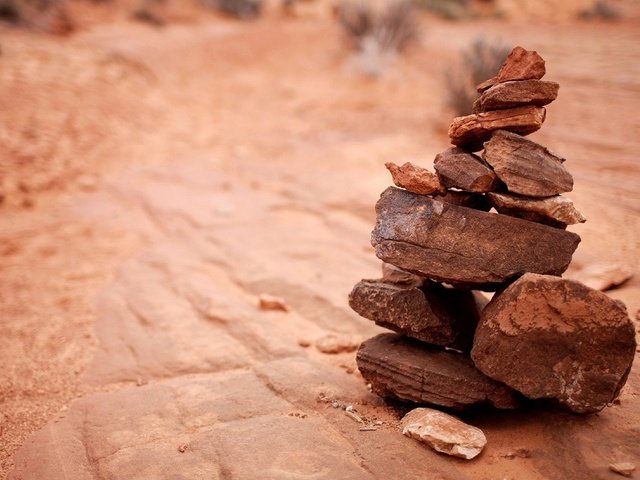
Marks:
<point>462,246</point>
<point>459,169</point>
<point>521,64</point>
<point>415,179</point>
<point>405,369</point>
<point>557,339</point>
<point>556,211</point>
<point>516,94</point>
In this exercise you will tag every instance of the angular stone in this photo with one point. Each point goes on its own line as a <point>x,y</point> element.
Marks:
<point>548,337</point>
<point>521,64</point>
<point>556,211</point>
<point>466,171</point>
<point>467,199</point>
<point>415,179</point>
<point>270,302</point>
<point>472,130</point>
<point>444,433</point>
<point>434,314</point>
<point>625,469</point>
<point>516,94</point>
<point>462,246</point>
<point>402,368</point>
<point>526,167</point>
<point>397,276</point>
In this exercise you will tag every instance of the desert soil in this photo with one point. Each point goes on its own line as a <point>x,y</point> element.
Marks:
<point>160,180</point>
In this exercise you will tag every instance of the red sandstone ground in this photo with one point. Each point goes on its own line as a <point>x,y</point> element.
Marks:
<point>157,181</point>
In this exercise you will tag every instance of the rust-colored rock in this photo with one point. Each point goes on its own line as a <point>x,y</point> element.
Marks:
<point>403,368</point>
<point>526,167</point>
<point>415,179</point>
<point>471,131</point>
<point>462,246</point>
<point>467,199</point>
<point>556,211</point>
<point>466,171</point>
<point>548,337</point>
<point>516,94</point>
<point>434,314</point>
<point>521,64</point>
<point>397,276</point>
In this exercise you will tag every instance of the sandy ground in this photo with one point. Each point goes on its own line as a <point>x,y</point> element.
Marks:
<point>162,179</point>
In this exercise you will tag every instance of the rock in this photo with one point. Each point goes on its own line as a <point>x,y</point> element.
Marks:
<point>555,211</point>
<point>415,179</point>
<point>459,169</point>
<point>403,368</point>
<point>625,469</point>
<point>434,314</point>
<point>548,337</point>
<point>397,276</point>
<point>444,433</point>
<point>337,343</point>
<point>526,167</point>
<point>521,64</point>
<point>602,275</point>
<point>269,302</point>
<point>465,247</point>
<point>516,94</point>
<point>472,130</point>
<point>467,199</point>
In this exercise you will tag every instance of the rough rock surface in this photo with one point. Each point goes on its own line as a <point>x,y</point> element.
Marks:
<point>601,276</point>
<point>466,171</point>
<point>625,469</point>
<point>467,199</point>
<point>471,131</point>
<point>399,367</point>
<point>415,179</point>
<point>526,167</point>
<point>516,94</point>
<point>397,276</point>
<point>556,211</point>
<point>444,433</point>
<point>434,314</point>
<point>521,64</point>
<point>462,246</point>
<point>549,337</point>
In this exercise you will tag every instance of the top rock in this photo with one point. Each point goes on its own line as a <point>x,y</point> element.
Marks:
<point>521,64</point>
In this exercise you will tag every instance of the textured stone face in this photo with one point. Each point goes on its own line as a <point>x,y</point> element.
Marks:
<point>415,179</point>
<point>462,246</point>
<point>556,211</point>
<point>516,94</point>
<point>433,314</point>
<point>521,64</point>
<point>553,338</point>
<point>459,169</point>
<point>397,276</point>
<point>526,167</point>
<point>444,433</point>
<point>467,199</point>
<point>472,130</point>
<point>403,368</point>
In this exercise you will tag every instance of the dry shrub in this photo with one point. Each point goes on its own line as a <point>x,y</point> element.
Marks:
<point>601,10</point>
<point>242,9</point>
<point>47,15</point>
<point>479,62</point>
<point>449,9</point>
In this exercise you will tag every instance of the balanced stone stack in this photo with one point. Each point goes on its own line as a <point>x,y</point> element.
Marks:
<point>540,336</point>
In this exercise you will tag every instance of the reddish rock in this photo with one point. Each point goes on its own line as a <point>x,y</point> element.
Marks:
<point>552,338</point>
<point>337,343</point>
<point>601,276</point>
<point>397,276</point>
<point>472,130</point>
<point>466,171</point>
<point>415,179</point>
<point>525,167</point>
<point>521,64</point>
<point>406,369</point>
<point>516,94</point>
<point>467,199</point>
<point>462,246</point>
<point>434,314</point>
<point>270,302</point>
<point>556,211</point>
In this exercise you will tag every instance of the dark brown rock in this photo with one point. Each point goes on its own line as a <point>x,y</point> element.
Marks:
<point>521,64</point>
<point>397,276</point>
<point>462,246</point>
<point>434,314</point>
<point>556,211</point>
<point>402,368</point>
<point>526,167</point>
<point>415,179</point>
<point>472,130</point>
<point>548,337</point>
<point>516,94</point>
<point>467,199</point>
<point>466,171</point>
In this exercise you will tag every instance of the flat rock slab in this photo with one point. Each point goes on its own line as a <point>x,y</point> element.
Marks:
<point>471,131</point>
<point>526,167</point>
<point>462,246</point>
<point>466,171</point>
<point>516,94</point>
<point>397,276</point>
<point>434,314</point>
<point>467,199</point>
<point>556,211</point>
<point>553,338</point>
<point>521,64</point>
<point>415,179</point>
<point>402,368</point>
<point>444,433</point>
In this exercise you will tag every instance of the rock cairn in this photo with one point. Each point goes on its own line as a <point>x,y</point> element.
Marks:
<point>540,336</point>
